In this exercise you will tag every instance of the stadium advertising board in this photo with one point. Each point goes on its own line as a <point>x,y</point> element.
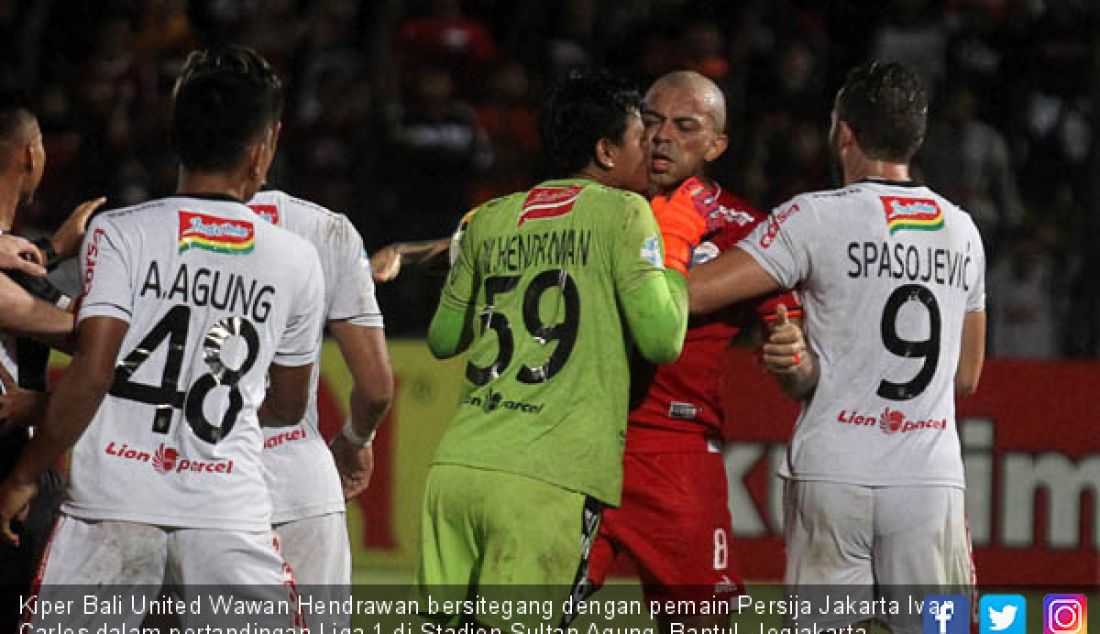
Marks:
<point>1031,450</point>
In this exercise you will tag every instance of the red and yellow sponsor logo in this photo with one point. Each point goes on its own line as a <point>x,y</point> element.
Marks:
<point>916,214</point>
<point>220,235</point>
<point>548,202</point>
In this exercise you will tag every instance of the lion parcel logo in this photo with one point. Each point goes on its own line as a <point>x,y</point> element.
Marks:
<point>890,421</point>
<point>493,401</point>
<point>220,235</point>
<point>913,214</point>
<point>167,459</point>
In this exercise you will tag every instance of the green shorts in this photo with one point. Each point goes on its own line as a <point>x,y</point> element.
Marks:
<point>490,538</point>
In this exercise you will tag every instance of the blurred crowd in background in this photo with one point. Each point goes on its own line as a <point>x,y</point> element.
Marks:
<point>405,113</point>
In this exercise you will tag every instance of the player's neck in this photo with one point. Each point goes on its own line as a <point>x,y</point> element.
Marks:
<point>191,183</point>
<point>9,202</point>
<point>593,173</point>
<point>873,169</point>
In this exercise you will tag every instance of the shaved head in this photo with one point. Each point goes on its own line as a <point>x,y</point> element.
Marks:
<point>685,115</point>
<point>708,94</point>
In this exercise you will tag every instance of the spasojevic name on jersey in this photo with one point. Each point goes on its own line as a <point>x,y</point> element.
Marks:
<point>946,267</point>
<point>201,287</point>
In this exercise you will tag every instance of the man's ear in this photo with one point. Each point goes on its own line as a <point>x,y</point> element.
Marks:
<point>605,154</point>
<point>845,137</point>
<point>27,157</point>
<point>717,147</point>
<point>276,128</point>
<point>256,159</point>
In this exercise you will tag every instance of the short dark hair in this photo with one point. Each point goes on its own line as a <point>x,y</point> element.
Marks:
<point>14,114</point>
<point>886,106</point>
<point>224,100</point>
<point>580,110</point>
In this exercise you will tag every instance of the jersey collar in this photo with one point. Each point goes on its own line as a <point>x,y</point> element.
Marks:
<point>886,181</point>
<point>210,196</point>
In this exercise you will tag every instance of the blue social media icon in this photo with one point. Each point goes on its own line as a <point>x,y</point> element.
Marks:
<point>1003,614</point>
<point>946,614</point>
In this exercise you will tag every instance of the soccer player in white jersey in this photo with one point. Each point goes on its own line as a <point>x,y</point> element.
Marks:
<point>305,483</point>
<point>892,282</point>
<point>187,302</point>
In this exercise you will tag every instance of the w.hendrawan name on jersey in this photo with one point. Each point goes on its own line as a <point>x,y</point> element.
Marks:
<point>565,247</point>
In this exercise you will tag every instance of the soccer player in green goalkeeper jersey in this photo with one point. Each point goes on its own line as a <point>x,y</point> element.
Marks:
<point>550,289</point>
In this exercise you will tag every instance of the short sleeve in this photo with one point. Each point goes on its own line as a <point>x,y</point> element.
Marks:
<point>975,295</point>
<point>105,272</point>
<point>353,298</point>
<point>459,290</point>
<point>781,244</point>
<point>300,340</point>
<point>638,251</point>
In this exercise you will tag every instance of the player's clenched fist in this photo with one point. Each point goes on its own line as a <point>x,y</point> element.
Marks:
<point>354,463</point>
<point>683,217</point>
<point>15,500</point>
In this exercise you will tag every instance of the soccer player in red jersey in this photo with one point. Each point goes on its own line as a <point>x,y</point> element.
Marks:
<point>674,521</point>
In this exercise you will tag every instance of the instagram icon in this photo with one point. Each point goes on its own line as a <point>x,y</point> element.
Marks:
<point>1065,614</point>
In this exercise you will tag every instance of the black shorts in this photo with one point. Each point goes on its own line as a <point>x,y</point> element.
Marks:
<point>18,565</point>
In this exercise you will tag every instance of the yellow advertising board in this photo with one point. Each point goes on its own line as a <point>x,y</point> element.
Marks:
<point>383,523</point>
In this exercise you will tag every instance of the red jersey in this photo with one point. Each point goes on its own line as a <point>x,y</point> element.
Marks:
<point>680,403</point>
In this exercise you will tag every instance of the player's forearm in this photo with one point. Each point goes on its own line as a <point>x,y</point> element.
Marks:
<point>365,353</point>
<point>287,395</point>
<point>23,314</point>
<point>421,252</point>
<point>731,277</point>
<point>448,334</point>
<point>367,411</point>
<point>656,313</point>
<point>971,354</point>
<point>68,414</point>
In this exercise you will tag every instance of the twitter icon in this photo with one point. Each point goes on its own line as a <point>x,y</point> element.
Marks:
<point>1003,614</point>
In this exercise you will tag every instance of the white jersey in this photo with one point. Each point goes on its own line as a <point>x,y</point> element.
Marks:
<point>887,272</point>
<point>301,475</point>
<point>212,296</point>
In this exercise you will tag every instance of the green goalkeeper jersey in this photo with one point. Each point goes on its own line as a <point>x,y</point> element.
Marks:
<point>550,285</point>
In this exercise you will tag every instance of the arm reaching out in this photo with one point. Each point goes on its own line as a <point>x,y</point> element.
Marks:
<point>364,351</point>
<point>386,263</point>
<point>76,399</point>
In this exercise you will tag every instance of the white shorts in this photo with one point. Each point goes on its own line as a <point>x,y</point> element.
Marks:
<point>317,549</point>
<point>132,561</point>
<point>876,542</point>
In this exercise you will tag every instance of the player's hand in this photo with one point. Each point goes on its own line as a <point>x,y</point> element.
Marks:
<point>18,406</point>
<point>15,503</point>
<point>19,254</point>
<point>66,240</point>
<point>785,350</point>
<point>385,264</point>
<point>354,463</point>
<point>683,217</point>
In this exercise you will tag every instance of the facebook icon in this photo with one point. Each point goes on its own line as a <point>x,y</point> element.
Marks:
<point>946,614</point>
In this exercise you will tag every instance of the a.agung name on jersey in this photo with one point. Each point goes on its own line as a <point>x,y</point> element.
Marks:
<point>230,292</point>
<point>564,247</point>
